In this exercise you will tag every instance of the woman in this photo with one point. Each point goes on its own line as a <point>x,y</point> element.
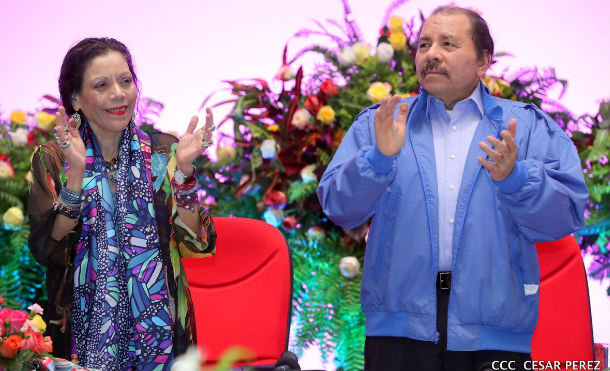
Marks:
<point>112,210</point>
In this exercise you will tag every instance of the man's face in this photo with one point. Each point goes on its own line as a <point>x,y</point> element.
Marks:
<point>446,60</point>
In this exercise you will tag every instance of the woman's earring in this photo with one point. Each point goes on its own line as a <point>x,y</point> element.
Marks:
<point>76,118</point>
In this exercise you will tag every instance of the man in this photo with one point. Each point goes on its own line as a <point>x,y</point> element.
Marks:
<point>459,186</point>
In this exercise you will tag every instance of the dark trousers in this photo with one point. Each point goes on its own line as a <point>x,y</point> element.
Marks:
<point>401,353</point>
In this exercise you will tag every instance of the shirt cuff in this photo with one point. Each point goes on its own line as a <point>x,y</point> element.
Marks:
<point>514,181</point>
<point>380,163</point>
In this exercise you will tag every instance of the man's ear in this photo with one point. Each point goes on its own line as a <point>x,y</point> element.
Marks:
<point>484,63</point>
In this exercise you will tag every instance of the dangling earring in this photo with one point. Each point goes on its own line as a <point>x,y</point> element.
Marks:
<point>76,118</point>
<point>133,117</point>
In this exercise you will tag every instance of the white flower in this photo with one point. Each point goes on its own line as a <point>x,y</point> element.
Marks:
<point>307,174</point>
<point>385,52</point>
<point>19,136</point>
<point>285,73</point>
<point>347,56</point>
<point>349,267</point>
<point>300,119</point>
<point>188,361</point>
<point>273,216</point>
<point>36,309</point>
<point>268,148</point>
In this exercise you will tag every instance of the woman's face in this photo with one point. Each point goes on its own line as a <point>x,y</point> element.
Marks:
<point>108,94</point>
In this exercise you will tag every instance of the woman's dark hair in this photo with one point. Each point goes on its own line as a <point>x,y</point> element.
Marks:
<point>479,31</point>
<point>76,61</point>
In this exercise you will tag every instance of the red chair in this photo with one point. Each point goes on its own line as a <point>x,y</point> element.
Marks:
<point>564,331</point>
<point>243,295</point>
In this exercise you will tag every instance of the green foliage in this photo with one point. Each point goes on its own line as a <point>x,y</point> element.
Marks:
<point>327,304</point>
<point>594,149</point>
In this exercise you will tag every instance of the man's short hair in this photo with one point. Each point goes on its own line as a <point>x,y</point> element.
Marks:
<point>479,31</point>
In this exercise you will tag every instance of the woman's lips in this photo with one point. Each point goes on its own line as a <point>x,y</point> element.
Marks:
<point>117,111</point>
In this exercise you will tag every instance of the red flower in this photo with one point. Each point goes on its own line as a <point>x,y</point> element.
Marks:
<point>3,157</point>
<point>385,31</point>
<point>289,223</point>
<point>48,345</point>
<point>313,104</point>
<point>328,88</point>
<point>32,141</point>
<point>33,340</point>
<point>276,199</point>
<point>10,346</point>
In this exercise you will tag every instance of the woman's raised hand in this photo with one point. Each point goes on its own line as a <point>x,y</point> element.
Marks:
<point>68,138</point>
<point>193,142</point>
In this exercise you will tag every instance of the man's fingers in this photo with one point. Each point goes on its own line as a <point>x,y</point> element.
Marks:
<point>493,155</point>
<point>488,165</point>
<point>402,113</point>
<point>509,140</point>
<point>512,127</point>
<point>192,125</point>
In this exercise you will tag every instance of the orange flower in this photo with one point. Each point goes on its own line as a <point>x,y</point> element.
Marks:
<point>10,346</point>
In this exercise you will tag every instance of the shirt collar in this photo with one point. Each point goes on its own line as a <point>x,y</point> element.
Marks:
<point>475,97</point>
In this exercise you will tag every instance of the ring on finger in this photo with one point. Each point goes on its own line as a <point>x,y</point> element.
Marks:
<point>65,144</point>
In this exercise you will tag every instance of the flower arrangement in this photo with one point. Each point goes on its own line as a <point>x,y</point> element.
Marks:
<point>21,277</point>
<point>283,140</point>
<point>22,343</point>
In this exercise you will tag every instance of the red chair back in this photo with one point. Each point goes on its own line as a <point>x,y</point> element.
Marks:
<point>243,295</point>
<point>564,331</point>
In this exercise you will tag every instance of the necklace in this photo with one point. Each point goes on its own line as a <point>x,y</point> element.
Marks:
<point>111,168</point>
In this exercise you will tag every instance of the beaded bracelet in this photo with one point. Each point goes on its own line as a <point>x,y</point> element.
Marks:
<point>186,194</point>
<point>70,198</point>
<point>67,211</point>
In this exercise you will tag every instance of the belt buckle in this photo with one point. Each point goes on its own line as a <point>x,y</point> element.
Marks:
<point>444,280</point>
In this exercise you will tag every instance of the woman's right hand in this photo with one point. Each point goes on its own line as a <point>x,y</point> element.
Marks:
<point>67,132</point>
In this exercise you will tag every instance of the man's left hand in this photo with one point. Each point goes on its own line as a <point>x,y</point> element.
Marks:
<point>504,154</point>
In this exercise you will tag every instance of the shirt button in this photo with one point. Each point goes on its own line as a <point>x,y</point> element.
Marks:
<point>451,220</point>
<point>454,127</point>
<point>452,155</point>
<point>451,186</point>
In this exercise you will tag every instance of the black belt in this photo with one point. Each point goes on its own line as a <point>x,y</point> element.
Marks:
<point>443,281</point>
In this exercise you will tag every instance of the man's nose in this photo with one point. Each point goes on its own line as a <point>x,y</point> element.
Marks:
<point>434,53</point>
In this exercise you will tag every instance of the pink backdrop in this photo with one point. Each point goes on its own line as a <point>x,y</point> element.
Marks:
<point>183,50</point>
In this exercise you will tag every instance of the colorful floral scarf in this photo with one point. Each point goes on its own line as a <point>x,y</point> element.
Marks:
<point>121,318</point>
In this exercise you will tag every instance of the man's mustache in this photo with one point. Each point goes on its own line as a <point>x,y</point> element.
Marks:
<point>433,67</point>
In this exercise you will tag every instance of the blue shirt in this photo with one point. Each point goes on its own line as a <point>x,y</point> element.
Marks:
<point>452,134</point>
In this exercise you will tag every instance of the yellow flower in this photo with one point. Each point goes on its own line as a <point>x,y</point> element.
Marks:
<point>273,128</point>
<point>39,322</point>
<point>13,217</point>
<point>363,52</point>
<point>326,115</point>
<point>496,85</point>
<point>6,170</point>
<point>45,121</point>
<point>18,117</point>
<point>398,40</point>
<point>225,153</point>
<point>378,90</point>
<point>395,24</point>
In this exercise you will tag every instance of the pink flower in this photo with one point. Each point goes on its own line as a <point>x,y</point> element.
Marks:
<point>16,318</point>
<point>33,340</point>
<point>36,308</point>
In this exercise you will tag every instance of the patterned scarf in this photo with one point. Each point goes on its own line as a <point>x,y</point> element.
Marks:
<point>121,317</point>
